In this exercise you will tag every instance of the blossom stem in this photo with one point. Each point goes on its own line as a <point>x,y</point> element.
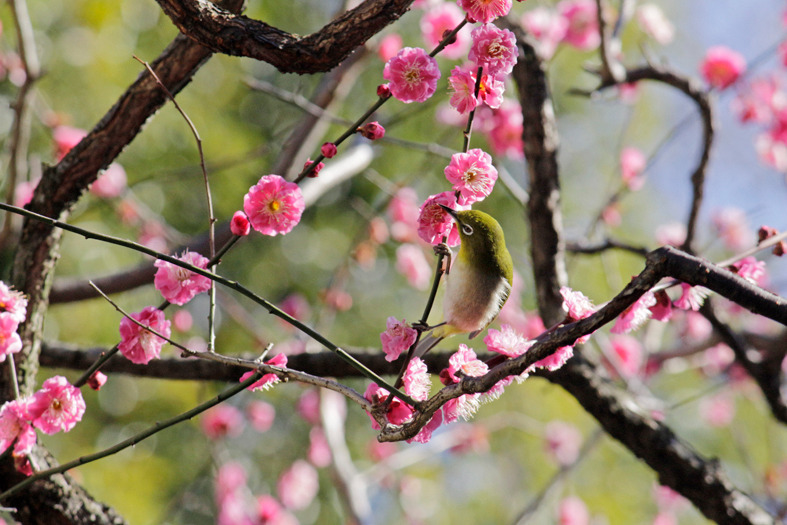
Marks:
<point>469,129</point>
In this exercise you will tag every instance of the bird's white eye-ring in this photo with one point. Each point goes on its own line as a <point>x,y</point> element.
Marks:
<point>467,229</point>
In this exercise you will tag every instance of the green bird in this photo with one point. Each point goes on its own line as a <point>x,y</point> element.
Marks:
<point>479,280</point>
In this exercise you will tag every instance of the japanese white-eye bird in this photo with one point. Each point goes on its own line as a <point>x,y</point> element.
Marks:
<point>479,281</point>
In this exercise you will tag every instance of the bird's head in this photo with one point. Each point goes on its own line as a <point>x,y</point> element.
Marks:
<point>483,242</point>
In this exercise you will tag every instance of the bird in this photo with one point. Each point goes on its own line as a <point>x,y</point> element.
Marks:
<point>479,281</point>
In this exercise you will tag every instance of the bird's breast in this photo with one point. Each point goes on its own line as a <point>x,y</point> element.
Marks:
<point>473,298</point>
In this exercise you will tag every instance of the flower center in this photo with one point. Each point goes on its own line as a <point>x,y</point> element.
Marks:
<point>412,76</point>
<point>496,49</point>
<point>274,206</point>
<point>56,404</point>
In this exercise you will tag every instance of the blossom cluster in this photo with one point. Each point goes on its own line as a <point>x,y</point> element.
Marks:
<point>13,310</point>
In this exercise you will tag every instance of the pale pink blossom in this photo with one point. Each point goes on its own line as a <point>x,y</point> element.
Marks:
<point>437,22</point>
<point>718,411</point>
<point>485,11</point>
<point>611,215</point>
<point>582,31</point>
<point>412,75</point>
<point>273,205</point>
<point>23,193</point>
<point>111,183</point>
<point>547,27</point>
<point>412,263</point>
<point>629,355</point>
<point>758,100</point>
<point>559,358</point>
<point>464,407</point>
<point>182,321</point>
<point>222,421</point>
<point>66,137</point>
<point>267,380</point>
<point>562,442</point>
<point>464,362</point>
<point>380,451</point>
<point>239,224</point>
<point>573,511</point>
<point>10,342</point>
<point>667,499</point>
<point>632,164</point>
<point>397,338</point>
<point>576,305</point>
<point>691,297</point>
<point>461,85</point>
<point>296,306</point>
<point>139,345</point>
<point>15,426</point>
<point>57,406</point>
<point>717,359</point>
<point>665,517</point>
<point>403,211</point>
<point>230,478</point>
<point>179,285</point>
<point>96,380</point>
<point>635,315</point>
<point>398,412</point>
<point>507,341</point>
<point>672,234</point>
<point>472,175</point>
<point>337,299</point>
<point>494,49</point>
<point>416,380</point>
<point>425,434</point>
<point>389,45</point>
<point>434,222</point>
<point>722,66</point>
<point>733,228</point>
<point>751,269</point>
<point>654,23</point>
<point>260,415</point>
<point>308,406</point>
<point>505,130</point>
<point>298,485</point>
<point>319,452</point>
<point>771,147</point>
<point>695,327</point>
<point>491,91</point>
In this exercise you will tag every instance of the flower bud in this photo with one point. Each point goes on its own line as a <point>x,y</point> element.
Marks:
<point>328,150</point>
<point>372,130</point>
<point>239,225</point>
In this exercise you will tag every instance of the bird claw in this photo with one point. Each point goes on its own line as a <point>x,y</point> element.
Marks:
<point>443,250</point>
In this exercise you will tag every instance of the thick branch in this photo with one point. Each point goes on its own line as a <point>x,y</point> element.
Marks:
<point>237,35</point>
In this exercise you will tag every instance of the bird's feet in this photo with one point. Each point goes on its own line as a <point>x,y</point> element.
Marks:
<point>443,250</point>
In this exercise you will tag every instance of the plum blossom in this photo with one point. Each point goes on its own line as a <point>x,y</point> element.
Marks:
<point>66,137</point>
<point>507,341</point>
<point>239,224</point>
<point>10,342</point>
<point>15,426</point>
<point>439,20</point>
<point>398,412</point>
<point>629,354</point>
<point>222,421</point>
<point>691,297</point>
<point>111,183</point>
<point>403,210</point>
<point>547,27</point>
<point>718,411</point>
<point>463,362</point>
<point>328,150</point>
<point>573,511</point>
<point>434,222</point>
<point>372,130</point>
<point>411,262</point>
<point>635,315</point>
<point>412,75</point>
<point>260,415</point>
<point>139,345</point>
<point>494,49</point>
<point>397,338</point>
<point>582,18</point>
<point>662,309</point>
<point>12,303</point>
<point>57,406</point>
<point>556,360</point>
<point>485,11</point>
<point>416,380</point>
<point>562,442</point>
<point>179,285</point>
<point>472,175</point>
<point>750,269</point>
<point>505,130</point>
<point>722,66</point>
<point>273,205</point>
<point>298,485</point>
<point>461,84</point>
<point>389,45</point>
<point>96,380</point>
<point>319,453</point>
<point>267,380</point>
<point>425,434</point>
<point>654,23</point>
<point>576,305</point>
<point>632,164</point>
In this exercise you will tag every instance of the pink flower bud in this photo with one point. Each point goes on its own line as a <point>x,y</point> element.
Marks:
<point>328,150</point>
<point>96,380</point>
<point>316,171</point>
<point>383,91</point>
<point>372,130</point>
<point>240,225</point>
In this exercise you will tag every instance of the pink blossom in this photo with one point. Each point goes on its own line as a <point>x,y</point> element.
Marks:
<point>381,451</point>
<point>691,297</point>
<point>611,215</point>
<point>582,18</point>
<point>267,380</point>
<point>239,224</point>
<point>319,453</point>
<point>654,23</point>
<point>507,341</point>
<point>559,358</point>
<point>390,44</point>
<point>372,130</point>
<point>337,299</point>
<point>412,75</point>
<point>632,164</point>
<point>485,11</point>
<point>297,306</point>
<point>491,91</point>
<point>66,137</point>
<point>505,130</point>
<point>425,434</point>
<point>111,183</point>
<point>635,315</point>
<point>398,412</point>
<point>665,518</point>
<point>403,211</point>
<point>274,205</point>
<point>472,175</point>
<point>771,147</point>
<point>222,421</point>
<point>573,511</point>
<point>668,499</point>
<point>58,405</point>
<point>261,415</point>
<point>547,27</point>
<point>416,380</point>
<point>230,478</point>
<point>313,172</point>
<point>308,406</point>
<point>576,305</point>
<point>328,150</point>
<point>15,426</point>
<point>662,310</point>
<point>23,193</point>
<point>179,285</point>
<point>411,262</point>
<point>718,411</point>
<point>696,327</point>
<point>10,342</point>
<point>464,362</point>
<point>494,49</point>
<point>96,380</point>
<point>461,84</point>
<point>298,485</point>
<point>757,100</point>
<point>629,355</point>
<point>722,66</point>
<point>562,442</point>
<point>384,91</point>
<point>182,321</point>
<point>12,303</point>
<point>464,407</point>
<point>139,345</point>
<point>750,269</point>
<point>397,338</point>
<point>672,234</point>
<point>433,221</point>
<point>440,20</point>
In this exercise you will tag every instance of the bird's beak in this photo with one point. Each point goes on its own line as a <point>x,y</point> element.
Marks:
<point>450,211</point>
